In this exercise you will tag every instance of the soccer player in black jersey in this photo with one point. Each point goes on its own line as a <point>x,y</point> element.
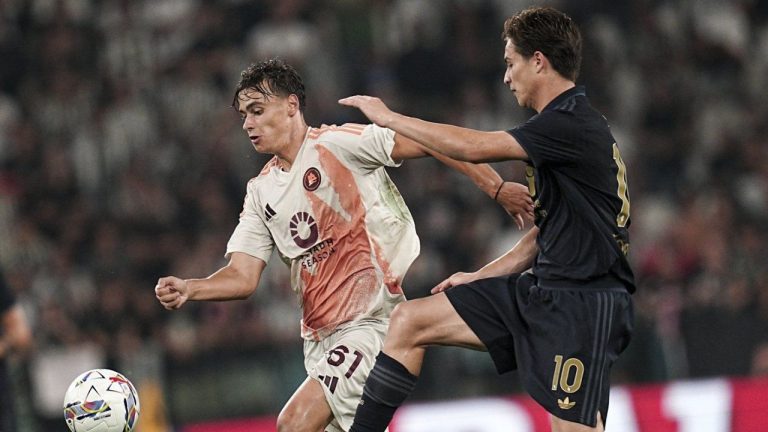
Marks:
<point>564,323</point>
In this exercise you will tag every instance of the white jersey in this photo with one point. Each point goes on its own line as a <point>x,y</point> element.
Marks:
<point>340,223</point>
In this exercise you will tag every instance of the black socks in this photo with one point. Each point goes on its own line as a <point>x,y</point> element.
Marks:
<point>387,386</point>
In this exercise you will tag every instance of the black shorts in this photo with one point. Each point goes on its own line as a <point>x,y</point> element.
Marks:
<point>562,338</point>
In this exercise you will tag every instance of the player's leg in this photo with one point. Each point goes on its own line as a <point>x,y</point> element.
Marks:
<point>306,411</point>
<point>582,332</point>
<point>560,425</point>
<point>414,325</point>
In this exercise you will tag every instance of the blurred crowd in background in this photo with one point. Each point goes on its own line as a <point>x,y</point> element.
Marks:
<point>121,161</point>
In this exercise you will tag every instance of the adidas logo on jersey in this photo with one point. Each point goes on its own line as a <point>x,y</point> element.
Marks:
<point>269,212</point>
<point>566,403</point>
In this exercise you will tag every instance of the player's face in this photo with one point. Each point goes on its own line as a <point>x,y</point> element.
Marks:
<point>520,75</point>
<point>266,120</point>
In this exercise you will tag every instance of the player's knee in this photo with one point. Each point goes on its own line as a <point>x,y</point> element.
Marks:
<point>284,421</point>
<point>289,421</point>
<point>560,425</point>
<point>404,323</point>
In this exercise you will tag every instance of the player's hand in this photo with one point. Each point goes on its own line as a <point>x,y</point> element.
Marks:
<point>455,279</point>
<point>516,200</point>
<point>172,292</point>
<point>372,107</point>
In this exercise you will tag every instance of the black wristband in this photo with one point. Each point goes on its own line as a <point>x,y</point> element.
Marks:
<point>496,195</point>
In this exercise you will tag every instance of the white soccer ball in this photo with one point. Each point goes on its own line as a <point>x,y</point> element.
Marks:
<point>101,400</point>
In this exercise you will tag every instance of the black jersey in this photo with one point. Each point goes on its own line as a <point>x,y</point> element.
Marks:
<point>578,182</point>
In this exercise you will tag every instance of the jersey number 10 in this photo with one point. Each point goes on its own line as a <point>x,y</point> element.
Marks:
<point>562,375</point>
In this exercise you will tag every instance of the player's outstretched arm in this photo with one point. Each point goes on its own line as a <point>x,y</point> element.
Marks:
<point>237,280</point>
<point>516,260</point>
<point>513,197</point>
<point>453,141</point>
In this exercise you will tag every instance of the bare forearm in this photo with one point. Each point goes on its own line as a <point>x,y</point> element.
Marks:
<point>226,284</point>
<point>453,141</point>
<point>483,175</point>
<point>516,260</point>
<point>236,280</point>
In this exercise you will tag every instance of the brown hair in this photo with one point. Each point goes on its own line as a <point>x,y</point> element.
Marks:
<point>549,31</point>
<point>271,77</point>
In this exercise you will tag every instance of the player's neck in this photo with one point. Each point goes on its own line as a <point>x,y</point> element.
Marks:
<point>550,91</point>
<point>295,138</point>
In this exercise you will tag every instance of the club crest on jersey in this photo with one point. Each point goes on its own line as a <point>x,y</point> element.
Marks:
<point>311,179</point>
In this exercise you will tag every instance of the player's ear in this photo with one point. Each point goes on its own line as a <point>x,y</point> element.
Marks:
<point>293,105</point>
<point>539,60</point>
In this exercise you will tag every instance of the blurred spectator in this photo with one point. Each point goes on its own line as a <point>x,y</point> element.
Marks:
<point>15,339</point>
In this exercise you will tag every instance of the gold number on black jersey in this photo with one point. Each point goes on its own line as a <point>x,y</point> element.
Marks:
<point>623,192</point>
<point>563,372</point>
<point>530,176</point>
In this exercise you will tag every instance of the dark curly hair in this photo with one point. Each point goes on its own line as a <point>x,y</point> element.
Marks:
<point>550,31</point>
<point>272,77</point>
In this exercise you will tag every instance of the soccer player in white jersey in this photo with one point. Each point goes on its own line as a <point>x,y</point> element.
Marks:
<point>326,203</point>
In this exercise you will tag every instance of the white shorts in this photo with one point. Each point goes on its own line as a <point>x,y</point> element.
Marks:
<point>341,362</point>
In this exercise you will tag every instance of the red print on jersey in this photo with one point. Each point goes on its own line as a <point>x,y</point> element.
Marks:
<point>311,179</point>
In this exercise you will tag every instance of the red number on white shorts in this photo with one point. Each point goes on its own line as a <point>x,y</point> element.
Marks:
<point>337,355</point>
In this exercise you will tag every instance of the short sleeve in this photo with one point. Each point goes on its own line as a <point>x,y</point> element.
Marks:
<point>549,138</point>
<point>373,150</point>
<point>251,235</point>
